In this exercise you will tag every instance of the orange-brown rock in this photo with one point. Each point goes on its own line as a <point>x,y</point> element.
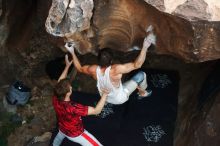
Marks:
<point>121,25</point>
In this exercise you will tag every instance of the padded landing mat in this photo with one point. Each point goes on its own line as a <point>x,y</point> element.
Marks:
<point>146,121</point>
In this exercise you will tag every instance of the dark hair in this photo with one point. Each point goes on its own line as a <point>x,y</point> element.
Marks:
<point>61,88</point>
<point>105,57</point>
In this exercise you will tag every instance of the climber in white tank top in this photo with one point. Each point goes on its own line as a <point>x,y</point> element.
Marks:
<point>116,94</point>
<point>109,75</point>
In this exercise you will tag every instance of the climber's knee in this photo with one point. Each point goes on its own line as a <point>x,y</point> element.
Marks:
<point>139,77</point>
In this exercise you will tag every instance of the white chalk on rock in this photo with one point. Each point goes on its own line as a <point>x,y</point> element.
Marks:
<point>70,46</point>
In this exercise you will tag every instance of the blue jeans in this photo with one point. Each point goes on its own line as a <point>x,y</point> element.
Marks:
<point>139,77</point>
<point>138,80</point>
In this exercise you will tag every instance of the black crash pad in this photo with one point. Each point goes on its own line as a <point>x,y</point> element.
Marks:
<point>146,121</point>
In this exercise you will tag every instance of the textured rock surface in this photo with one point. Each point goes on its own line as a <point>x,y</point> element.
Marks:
<point>23,39</point>
<point>159,4</point>
<point>171,5</point>
<point>193,10</point>
<point>69,16</point>
<point>208,131</point>
<point>212,10</point>
<point>202,126</point>
<point>121,25</point>
<point>206,40</point>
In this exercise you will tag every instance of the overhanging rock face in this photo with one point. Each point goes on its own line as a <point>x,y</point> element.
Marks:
<point>121,25</point>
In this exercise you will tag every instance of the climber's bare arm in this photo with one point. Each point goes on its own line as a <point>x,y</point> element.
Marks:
<point>86,69</point>
<point>139,61</point>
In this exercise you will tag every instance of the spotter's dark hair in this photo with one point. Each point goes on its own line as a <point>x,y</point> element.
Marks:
<point>62,88</point>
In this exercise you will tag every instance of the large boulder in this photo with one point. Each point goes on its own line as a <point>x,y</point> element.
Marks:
<point>121,25</point>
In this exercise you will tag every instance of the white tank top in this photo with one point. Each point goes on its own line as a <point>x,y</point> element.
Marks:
<point>104,81</point>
